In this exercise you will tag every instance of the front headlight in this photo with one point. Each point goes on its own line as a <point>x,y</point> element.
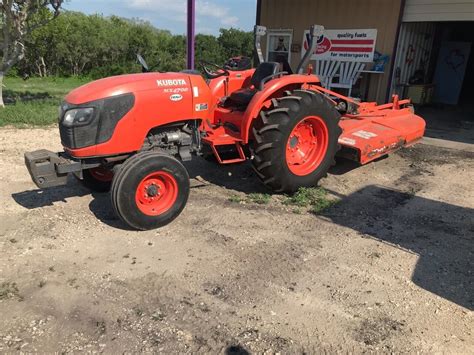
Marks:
<point>78,117</point>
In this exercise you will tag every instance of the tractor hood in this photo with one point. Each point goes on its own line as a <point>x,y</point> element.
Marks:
<point>122,84</point>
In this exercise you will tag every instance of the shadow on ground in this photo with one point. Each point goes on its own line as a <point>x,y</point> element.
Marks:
<point>242,178</point>
<point>238,177</point>
<point>11,97</point>
<point>100,205</point>
<point>440,233</point>
<point>47,197</point>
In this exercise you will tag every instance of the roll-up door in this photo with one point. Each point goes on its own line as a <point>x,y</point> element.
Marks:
<point>438,10</point>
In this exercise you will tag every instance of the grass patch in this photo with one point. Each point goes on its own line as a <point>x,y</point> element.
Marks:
<point>236,199</point>
<point>35,101</point>
<point>314,198</point>
<point>38,113</point>
<point>260,199</point>
<point>54,86</point>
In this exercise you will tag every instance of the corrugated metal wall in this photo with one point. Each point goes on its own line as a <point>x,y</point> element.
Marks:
<point>414,51</point>
<point>438,10</point>
<point>299,15</point>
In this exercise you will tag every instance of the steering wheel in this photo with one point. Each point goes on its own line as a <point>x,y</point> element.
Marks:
<point>212,70</point>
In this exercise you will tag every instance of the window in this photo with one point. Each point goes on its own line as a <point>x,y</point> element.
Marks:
<point>279,45</point>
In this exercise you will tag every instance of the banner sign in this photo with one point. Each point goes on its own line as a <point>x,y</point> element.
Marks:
<point>344,45</point>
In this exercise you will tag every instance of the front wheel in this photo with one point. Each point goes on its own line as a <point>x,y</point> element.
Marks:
<point>150,190</point>
<point>295,141</point>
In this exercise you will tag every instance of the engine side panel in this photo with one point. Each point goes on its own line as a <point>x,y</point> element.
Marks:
<point>159,100</point>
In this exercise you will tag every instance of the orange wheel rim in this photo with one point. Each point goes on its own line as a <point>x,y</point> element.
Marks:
<point>307,145</point>
<point>156,193</point>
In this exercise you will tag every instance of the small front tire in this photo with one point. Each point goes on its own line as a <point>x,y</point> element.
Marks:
<point>150,190</point>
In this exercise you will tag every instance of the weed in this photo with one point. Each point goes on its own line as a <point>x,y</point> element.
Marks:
<point>260,199</point>
<point>101,327</point>
<point>315,198</point>
<point>322,206</point>
<point>236,199</point>
<point>158,315</point>
<point>138,311</point>
<point>9,290</point>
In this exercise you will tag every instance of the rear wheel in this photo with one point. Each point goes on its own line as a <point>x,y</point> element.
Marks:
<point>97,179</point>
<point>295,141</point>
<point>150,190</point>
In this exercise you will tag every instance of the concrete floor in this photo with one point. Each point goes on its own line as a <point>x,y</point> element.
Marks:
<point>450,123</point>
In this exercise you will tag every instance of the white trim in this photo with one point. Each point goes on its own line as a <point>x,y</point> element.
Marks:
<point>438,10</point>
<point>281,32</point>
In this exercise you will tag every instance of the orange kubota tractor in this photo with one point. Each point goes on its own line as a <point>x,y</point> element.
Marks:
<point>128,134</point>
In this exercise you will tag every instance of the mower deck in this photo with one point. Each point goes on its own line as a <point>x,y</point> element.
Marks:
<point>377,131</point>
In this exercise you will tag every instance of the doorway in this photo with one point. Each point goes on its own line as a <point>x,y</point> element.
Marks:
<point>435,68</point>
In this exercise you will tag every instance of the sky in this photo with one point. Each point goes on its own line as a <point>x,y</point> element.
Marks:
<point>211,15</point>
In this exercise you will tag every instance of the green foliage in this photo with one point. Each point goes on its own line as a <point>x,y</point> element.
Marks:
<point>236,42</point>
<point>209,49</point>
<point>54,86</point>
<point>314,198</point>
<point>236,198</point>
<point>35,101</point>
<point>75,44</point>
<point>40,113</point>
<point>260,199</point>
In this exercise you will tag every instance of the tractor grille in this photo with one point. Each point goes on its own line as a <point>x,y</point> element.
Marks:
<point>107,113</point>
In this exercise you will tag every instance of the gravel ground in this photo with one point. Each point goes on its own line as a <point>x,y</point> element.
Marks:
<point>387,269</point>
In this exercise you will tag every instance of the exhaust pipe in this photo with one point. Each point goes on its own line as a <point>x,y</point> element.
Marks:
<point>259,32</point>
<point>314,32</point>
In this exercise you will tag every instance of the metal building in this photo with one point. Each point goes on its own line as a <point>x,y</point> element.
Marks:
<point>428,44</point>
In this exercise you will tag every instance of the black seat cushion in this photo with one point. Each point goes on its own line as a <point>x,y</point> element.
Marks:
<point>244,96</point>
<point>263,70</point>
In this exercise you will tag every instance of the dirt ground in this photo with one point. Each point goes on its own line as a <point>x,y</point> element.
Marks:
<point>387,269</point>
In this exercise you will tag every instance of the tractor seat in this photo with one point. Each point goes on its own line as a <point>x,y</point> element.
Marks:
<point>243,97</point>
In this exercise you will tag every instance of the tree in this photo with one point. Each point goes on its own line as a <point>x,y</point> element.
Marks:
<point>209,49</point>
<point>236,42</point>
<point>18,19</point>
<point>59,47</point>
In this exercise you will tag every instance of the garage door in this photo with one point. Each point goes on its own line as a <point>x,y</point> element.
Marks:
<point>438,10</point>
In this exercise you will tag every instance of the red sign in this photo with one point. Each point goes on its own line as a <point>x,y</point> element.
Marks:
<point>344,45</point>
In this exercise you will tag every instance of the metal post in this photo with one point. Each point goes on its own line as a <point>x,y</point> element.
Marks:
<point>191,32</point>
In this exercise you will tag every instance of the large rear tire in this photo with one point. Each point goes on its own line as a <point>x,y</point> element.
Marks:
<point>150,190</point>
<point>295,141</point>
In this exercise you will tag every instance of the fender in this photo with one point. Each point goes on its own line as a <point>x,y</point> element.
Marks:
<point>271,90</point>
